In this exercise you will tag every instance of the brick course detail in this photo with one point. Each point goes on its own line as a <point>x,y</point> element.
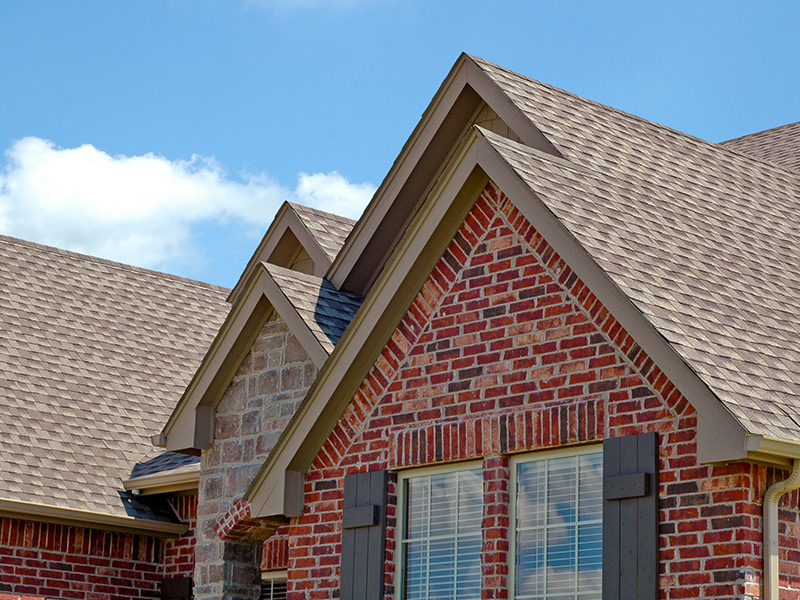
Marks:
<point>505,350</point>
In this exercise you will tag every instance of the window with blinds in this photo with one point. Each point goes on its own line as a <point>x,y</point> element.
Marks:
<point>273,588</point>
<point>558,537</point>
<point>441,535</point>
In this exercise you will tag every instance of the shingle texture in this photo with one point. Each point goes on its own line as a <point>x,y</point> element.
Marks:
<point>703,240</point>
<point>328,229</point>
<point>93,357</point>
<point>326,311</point>
<point>779,146</point>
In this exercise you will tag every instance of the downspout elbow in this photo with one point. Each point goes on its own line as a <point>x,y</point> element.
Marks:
<point>770,530</point>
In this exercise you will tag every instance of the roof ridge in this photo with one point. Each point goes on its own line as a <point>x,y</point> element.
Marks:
<point>108,262</point>
<point>754,133</point>
<point>718,146</point>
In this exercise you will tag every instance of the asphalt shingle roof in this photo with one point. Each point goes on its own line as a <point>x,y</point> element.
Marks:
<point>93,357</point>
<point>328,229</point>
<point>703,240</point>
<point>779,146</point>
<point>326,311</point>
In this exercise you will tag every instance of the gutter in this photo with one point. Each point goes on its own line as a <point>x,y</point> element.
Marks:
<point>770,534</point>
<point>33,511</point>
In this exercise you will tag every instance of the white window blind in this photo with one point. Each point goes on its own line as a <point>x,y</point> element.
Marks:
<point>558,527</point>
<point>441,541</point>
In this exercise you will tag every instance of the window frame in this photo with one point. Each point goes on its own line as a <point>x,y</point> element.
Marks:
<point>273,576</point>
<point>402,478</point>
<point>514,461</point>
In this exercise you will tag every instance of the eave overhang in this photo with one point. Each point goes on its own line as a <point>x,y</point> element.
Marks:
<point>277,489</point>
<point>274,248</point>
<point>174,481</point>
<point>83,518</point>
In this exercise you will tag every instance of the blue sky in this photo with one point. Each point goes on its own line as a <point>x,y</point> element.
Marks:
<point>166,133</point>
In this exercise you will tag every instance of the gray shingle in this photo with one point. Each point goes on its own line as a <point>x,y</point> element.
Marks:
<point>326,311</point>
<point>94,356</point>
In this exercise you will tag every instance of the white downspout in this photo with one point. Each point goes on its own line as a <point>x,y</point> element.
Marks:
<point>771,546</point>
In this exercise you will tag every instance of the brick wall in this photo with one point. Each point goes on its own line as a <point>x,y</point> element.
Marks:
<point>503,351</point>
<point>258,404</point>
<point>58,561</point>
<point>178,560</point>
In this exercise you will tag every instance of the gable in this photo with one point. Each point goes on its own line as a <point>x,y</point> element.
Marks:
<point>503,350</point>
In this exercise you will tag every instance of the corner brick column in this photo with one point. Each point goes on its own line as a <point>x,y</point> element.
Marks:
<point>495,525</point>
<point>259,402</point>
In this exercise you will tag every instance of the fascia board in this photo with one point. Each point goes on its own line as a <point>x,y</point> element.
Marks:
<point>286,218</point>
<point>293,320</point>
<point>162,483</point>
<point>34,511</point>
<point>374,323</point>
<point>235,338</point>
<point>401,169</point>
<point>271,238</point>
<point>721,437</point>
<point>178,434</point>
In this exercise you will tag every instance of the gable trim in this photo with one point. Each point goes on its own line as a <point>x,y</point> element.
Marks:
<point>421,162</point>
<point>285,220</point>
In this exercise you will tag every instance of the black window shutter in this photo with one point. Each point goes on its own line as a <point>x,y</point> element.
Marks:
<point>630,517</point>
<point>363,536</point>
<point>176,588</point>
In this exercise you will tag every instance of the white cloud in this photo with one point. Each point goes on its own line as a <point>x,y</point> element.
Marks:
<point>144,209</point>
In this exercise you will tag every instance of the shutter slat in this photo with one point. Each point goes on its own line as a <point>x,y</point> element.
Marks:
<point>363,546</point>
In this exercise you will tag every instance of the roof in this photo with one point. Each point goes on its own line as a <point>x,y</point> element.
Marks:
<point>779,146</point>
<point>93,357</point>
<point>703,240</point>
<point>329,230</point>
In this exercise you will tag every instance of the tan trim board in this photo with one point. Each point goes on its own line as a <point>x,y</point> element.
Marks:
<point>68,516</point>
<point>162,483</point>
<point>285,220</point>
<point>422,160</point>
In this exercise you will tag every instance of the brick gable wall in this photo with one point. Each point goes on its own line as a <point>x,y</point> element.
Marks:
<point>505,350</point>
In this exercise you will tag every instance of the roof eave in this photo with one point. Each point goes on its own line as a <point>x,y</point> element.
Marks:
<point>183,480</point>
<point>419,165</point>
<point>83,518</point>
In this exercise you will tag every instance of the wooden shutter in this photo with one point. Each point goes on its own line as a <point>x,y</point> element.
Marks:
<point>176,588</point>
<point>363,536</point>
<point>630,517</point>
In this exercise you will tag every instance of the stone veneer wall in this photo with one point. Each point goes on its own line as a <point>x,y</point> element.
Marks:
<point>258,404</point>
<point>505,351</point>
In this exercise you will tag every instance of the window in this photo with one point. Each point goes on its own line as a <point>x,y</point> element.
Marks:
<point>440,541</point>
<point>273,585</point>
<point>557,536</point>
